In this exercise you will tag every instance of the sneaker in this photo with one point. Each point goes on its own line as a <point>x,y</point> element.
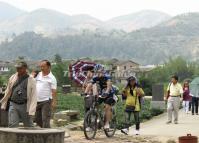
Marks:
<point>125,131</point>
<point>175,122</point>
<point>137,132</point>
<point>196,113</point>
<point>168,122</point>
<point>87,96</point>
<point>106,127</point>
<point>88,129</point>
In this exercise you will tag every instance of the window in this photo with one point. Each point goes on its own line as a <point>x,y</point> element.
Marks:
<point>124,67</point>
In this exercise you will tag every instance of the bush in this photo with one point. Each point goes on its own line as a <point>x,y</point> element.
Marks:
<point>155,112</point>
<point>74,102</point>
<point>71,102</point>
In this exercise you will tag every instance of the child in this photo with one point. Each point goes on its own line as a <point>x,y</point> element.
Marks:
<point>186,97</point>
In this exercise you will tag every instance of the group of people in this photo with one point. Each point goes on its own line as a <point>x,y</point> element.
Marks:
<point>34,95</point>
<point>98,84</point>
<point>30,95</point>
<point>176,92</point>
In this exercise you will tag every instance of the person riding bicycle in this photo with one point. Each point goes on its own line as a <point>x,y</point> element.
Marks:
<point>105,93</point>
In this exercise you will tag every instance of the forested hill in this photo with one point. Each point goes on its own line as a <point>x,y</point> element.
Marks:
<point>178,36</point>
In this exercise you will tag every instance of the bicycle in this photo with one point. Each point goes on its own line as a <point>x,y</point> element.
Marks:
<point>94,120</point>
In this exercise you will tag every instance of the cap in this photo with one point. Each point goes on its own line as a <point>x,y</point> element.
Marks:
<point>131,78</point>
<point>21,64</point>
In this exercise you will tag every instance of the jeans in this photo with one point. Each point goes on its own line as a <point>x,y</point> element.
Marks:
<point>136,118</point>
<point>185,106</point>
<point>17,113</point>
<point>195,105</point>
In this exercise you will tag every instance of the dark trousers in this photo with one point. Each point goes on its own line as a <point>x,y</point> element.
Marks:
<point>190,104</point>
<point>43,114</point>
<point>194,105</point>
<point>136,115</point>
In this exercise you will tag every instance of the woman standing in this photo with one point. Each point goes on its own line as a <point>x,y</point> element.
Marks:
<point>132,93</point>
<point>186,97</point>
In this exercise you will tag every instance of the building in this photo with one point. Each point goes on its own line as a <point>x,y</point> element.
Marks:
<point>4,66</point>
<point>121,70</point>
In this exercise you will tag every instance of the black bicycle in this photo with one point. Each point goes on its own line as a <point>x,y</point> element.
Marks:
<point>95,119</point>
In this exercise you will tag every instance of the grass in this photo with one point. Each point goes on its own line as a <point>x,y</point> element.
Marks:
<point>74,102</point>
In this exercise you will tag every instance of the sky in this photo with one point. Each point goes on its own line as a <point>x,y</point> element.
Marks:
<point>107,9</point>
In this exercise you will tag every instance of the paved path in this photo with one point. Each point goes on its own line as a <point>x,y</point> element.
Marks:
<point>153,131</point>
<point>188,123</point>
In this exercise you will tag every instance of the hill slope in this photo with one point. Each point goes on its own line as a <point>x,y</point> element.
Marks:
<point>176,37</point>
<point>9,12</point>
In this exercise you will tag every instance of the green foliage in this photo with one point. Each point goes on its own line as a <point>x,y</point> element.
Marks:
<point>74,102</point>
<point>156,112</point>
<point>178,66</point>
<point>146,84</point>
<point>147,46</point>
<point>1,81</point>
<point>57,58</point>
<point>60,70</point>
<point>71,102</point>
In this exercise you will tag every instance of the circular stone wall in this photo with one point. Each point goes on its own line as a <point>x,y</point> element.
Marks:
<point>31,135</point>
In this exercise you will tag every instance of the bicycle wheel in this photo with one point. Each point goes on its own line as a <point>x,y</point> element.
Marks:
<point>113,126</point>
<point>90,124</point>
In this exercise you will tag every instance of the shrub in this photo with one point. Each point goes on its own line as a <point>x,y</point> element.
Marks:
<point>74,102</point>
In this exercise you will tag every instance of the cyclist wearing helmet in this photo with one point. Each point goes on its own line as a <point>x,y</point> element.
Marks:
<point>103,80</point>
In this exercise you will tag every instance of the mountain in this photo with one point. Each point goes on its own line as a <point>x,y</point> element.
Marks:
<point>37,21</point>
<point>84,21</point>
<point>44,20</point>
<point>135,21</point>
<point>9,12</point>
<point>48,22</point>
<point>178,36</point>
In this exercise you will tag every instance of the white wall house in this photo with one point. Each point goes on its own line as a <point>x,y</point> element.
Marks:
<point>4,66</point>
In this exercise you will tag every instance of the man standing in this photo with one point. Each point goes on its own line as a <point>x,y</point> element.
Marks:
<point>46,94</point>
<point>20,95</point>
<point>175,91</point>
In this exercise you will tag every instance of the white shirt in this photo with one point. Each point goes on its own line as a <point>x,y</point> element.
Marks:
<point>45,84</point>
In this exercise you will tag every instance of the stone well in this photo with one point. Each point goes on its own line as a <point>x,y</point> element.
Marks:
<point>31,135</point>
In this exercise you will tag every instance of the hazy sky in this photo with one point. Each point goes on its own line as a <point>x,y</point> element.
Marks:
<point>105,9</point>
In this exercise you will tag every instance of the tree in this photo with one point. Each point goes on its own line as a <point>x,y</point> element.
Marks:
<point>178,66</point>
<point>59,70</point>
<point>1,81</point>
<point>57,58</point>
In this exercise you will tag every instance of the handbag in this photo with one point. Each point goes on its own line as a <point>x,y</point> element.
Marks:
<point>168,92</point>
<point>129,108</point>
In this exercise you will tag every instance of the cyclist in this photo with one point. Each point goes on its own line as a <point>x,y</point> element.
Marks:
<point>105,91</point>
